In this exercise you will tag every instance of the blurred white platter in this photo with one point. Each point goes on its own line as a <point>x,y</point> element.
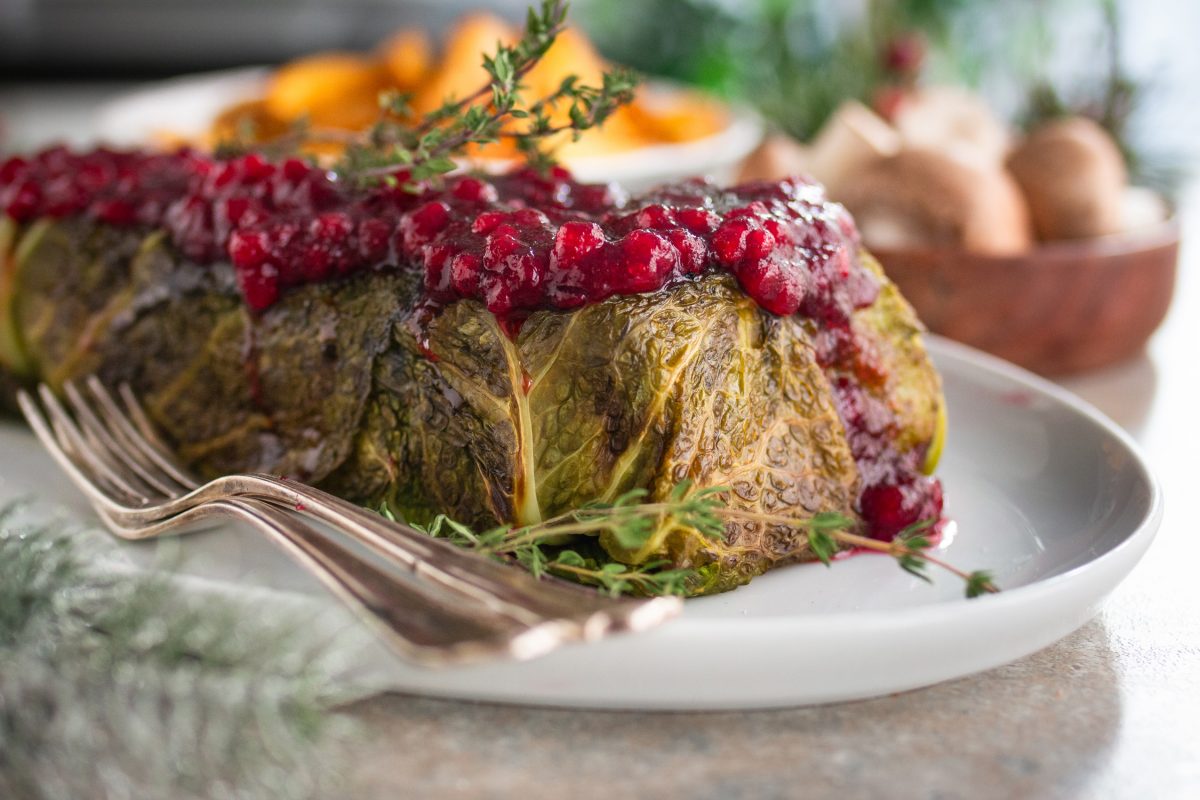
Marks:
<point>1044,491</point>
<point>185,107</point>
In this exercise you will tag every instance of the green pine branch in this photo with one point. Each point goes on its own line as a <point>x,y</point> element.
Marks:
<point>116,686</point>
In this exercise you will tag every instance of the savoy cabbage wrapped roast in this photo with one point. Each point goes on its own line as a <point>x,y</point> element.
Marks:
<point>498,350</point>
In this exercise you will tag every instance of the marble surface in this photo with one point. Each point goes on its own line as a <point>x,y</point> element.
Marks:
<point>1111,712</point>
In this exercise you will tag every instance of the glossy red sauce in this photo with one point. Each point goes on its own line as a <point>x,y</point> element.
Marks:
<point>517,243</point>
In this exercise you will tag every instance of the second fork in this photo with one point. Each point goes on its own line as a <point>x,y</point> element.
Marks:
<point>452,606</point>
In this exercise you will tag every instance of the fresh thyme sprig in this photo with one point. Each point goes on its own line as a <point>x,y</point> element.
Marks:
<point>632,523</point>
<point>424,149</point>
<point>627,519</point>
<point>909,547</point>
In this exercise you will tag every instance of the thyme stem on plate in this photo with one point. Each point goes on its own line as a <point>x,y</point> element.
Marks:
<point>632,523</point>
<point>909,547</point>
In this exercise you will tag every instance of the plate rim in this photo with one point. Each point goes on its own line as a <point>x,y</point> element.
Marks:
<point>1006,621</point>
<point>1146,528</point>
<point>986,632</point>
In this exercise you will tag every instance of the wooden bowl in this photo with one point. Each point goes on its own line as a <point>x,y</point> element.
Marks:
<point>1062,307</point>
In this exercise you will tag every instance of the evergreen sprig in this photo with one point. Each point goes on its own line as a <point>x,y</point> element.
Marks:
<point>113,685</point>
<point>553,546</point>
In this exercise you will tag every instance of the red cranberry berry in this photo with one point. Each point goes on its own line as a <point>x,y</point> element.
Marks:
<point>729,242</point>
<point>249,249</point>
<point>657,217</point>
<point>225,176</point>
<point>334,227</point>
<point>597,198</point>
<point>236,212</point>
<point>12,168</point>
<point>94,175</point>
<point>283,233</point>
<point>759,244</point>
<point>422,225</point>
<point>774,286</point>
<point>295,170</point>
<point>24,202</point>
<point>698,220</point>
<point>512,270</point>
<point>316,260</point>
<point>754,210</point>
<point>437,261</point>
<point>647,262</point>
<point>473,190</point>
<point>259,285</point>
<point>577,261</point>
<point>530,218</point>
<point>575,241</point>
<point>693,252</point>
<point>486,222</point>
<point>464,274</point>
<point>891,507</point>
<point>63,196</point>
<point>253,168</point>
<point>374,235</point>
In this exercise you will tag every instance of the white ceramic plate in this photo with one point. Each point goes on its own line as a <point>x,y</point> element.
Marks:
<point>1043,489</point>
<point>186,107</point>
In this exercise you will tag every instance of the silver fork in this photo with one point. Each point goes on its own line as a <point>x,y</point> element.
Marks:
<point>444,605</point>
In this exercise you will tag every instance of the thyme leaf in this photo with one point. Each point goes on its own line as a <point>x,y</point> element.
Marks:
<point>400,150</point>
<point>552,546</point>
<point>980,582</point>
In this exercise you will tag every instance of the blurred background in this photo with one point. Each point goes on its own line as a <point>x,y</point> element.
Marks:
<point>1020,140</point>
<point>1132,62</point>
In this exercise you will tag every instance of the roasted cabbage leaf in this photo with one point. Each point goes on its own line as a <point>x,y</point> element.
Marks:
<point>353,386</point>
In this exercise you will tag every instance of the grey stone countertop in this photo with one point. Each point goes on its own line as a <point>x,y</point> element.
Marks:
<point>1112,711</point>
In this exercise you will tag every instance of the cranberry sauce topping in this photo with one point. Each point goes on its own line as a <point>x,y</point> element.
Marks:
<point>896,493</point>
<point>517,243</point>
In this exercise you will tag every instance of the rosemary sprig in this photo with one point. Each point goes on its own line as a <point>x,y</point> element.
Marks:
<point>631,523</point>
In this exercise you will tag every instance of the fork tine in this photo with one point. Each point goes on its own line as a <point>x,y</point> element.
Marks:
<point>134,444</point>
<point>80,473</point>
<point>523,616</point>
<point>73,442</point>
<point>143,432</point>
<point>104,439</point>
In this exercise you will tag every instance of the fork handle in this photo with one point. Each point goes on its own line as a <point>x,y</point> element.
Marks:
<point>424,622</point>
<point>491,582</point>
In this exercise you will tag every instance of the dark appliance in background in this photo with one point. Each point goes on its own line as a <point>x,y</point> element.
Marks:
<point>121,38</point>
